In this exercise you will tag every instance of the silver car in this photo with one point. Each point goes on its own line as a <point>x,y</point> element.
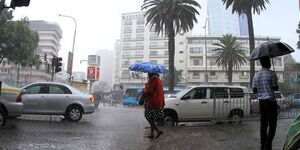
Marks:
<point>10,103</point>
<point>50,98</point>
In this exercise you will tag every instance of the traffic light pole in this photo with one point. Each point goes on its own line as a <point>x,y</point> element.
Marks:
<point>52,73</point>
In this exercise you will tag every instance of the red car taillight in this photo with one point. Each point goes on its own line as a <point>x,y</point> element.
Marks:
<point>19,98</point>
<point>92,99</point>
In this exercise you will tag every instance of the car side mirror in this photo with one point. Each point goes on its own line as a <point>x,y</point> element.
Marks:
<point>23,91</point>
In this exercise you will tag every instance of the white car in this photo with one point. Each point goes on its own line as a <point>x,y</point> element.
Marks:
<point>205,103</point>
<point>10,102</point>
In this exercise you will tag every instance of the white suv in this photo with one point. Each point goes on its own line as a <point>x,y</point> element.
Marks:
<point>207,102</point>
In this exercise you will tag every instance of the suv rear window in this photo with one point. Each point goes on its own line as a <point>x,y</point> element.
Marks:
<point>236,92</point>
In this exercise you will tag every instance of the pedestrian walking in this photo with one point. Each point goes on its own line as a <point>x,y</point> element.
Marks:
<point>265,84</point>
<point>155,103</point>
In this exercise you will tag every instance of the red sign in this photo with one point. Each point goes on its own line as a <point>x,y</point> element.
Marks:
<point>93,73</point>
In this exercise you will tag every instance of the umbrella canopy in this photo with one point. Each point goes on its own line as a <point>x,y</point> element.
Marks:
<point>148,67</point>
<point>271,49</point>
<point>292,140</point>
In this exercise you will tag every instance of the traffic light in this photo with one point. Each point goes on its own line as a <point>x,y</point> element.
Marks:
<point>19,3</point>
<point>56,63</point>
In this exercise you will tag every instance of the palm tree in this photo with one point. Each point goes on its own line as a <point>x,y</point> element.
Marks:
<point>170,17</point>
<point>229,54</point>
<point>246,7</point>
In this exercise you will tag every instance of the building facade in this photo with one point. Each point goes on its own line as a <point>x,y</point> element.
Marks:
<point>48,47</point>
<point>139,43</point>
<point>221,20</point>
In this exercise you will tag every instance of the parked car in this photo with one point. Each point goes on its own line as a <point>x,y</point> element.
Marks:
<point>50,98</point>
<point>296,100</point>
<point>131,96</point>
<point>203,103</point>
<point>282,102</point>
<point>10,103</point>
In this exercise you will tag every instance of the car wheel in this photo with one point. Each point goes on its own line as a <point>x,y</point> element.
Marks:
<point>236,117</point>
<point>3,118</point>
<point>169,119</point>
<point>74,113</point>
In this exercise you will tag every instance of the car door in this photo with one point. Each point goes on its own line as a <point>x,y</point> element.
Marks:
<point>59,98</point>
<point>34,97</point>
<point>219,100</point>
<point>194,104</point>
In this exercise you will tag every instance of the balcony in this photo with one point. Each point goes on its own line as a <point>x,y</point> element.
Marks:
<point>134,48</point>
<point>158,56</point>
<point>158,47</point>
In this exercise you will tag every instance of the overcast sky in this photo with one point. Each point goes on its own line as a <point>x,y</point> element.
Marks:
<point>99,23</point>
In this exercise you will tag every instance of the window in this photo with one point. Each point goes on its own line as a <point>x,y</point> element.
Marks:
<point>166,53</point>
<point>194,50</point>
<point>140,36</point>
<point>166,62</point>
<point>139,53</point>
<point>140,45</point>
<point>236,92</point>
<point>196,73</point>
<point>196,61</point>
<point>55,89</point>
<point>277,61</point>
<point>180,43</point>
<point>153,53</point>
<point>153,44</point>
<point>180,61</point>
<point>212,73</point>
<point>140,21</point>
<point>180,52</point>
<point>244,73</point>
<point>37,89</point>
<point>128,22</point>
<point>127,45</point>
<point>126,53</point>
<point>217,92</point>
<point>140,29</point>
<point>128,36</point>
<point>197,93</point>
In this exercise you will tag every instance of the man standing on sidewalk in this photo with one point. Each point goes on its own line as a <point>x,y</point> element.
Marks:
<point>265,84</point>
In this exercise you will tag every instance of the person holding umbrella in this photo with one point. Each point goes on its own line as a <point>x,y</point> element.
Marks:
<point>155,103</point>
<point>265,83</point>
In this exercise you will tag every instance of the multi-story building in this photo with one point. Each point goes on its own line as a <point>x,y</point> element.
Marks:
<point>48,47</point>
<point>221,20</point>
<point>139,43</point>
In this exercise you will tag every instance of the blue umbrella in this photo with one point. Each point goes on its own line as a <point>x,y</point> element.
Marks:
<point>148,67</point>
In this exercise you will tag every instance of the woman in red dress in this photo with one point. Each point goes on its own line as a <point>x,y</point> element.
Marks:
<point>155,102</point>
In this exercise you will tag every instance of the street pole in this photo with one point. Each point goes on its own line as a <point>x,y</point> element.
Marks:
<point>206,75</point>
<point>71,79</point>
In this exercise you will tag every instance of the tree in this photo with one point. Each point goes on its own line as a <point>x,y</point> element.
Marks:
<point>246,7</point>
<point>298,31</point>
<point>229,54</point>
<point>177,77</point>
<point>171,17</point>
<point>18,41</point>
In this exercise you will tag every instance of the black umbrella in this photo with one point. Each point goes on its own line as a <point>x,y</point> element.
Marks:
<point>271,49</point>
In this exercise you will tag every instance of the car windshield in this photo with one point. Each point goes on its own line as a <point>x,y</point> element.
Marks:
<point>182,92</point>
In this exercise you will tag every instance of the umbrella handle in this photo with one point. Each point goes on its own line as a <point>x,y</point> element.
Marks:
<point>273,64</point>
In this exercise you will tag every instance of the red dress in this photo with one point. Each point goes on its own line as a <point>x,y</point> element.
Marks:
<point>154,90</point>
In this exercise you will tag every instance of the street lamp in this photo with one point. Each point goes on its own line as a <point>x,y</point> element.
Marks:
<point>71,63</point>
<point>206,75</point>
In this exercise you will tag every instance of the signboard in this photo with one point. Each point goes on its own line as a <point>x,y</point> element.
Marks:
<point>93,73</point>
<point>70,63</point>
<point>94,60</point>
<point>296,80</point>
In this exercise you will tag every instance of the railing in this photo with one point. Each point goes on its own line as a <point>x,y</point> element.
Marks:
<point>228,107</point>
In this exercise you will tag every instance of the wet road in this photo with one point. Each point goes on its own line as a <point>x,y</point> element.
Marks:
<point>123,128</point>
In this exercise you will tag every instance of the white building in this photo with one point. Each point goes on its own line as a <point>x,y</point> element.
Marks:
<point>138,43</point>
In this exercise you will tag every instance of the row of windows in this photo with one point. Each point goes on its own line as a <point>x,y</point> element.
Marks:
<point>138,21</point>
<point>141,53</point>
<point>202,41</point>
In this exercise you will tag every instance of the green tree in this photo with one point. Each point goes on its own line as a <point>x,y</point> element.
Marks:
<point>298,31</point>
<point>171,17</point>
<point>177,77</point>
<point>229,54</point>
<point>247,7</point>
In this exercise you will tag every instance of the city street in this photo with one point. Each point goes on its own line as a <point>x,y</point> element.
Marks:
<point>120,127</point>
